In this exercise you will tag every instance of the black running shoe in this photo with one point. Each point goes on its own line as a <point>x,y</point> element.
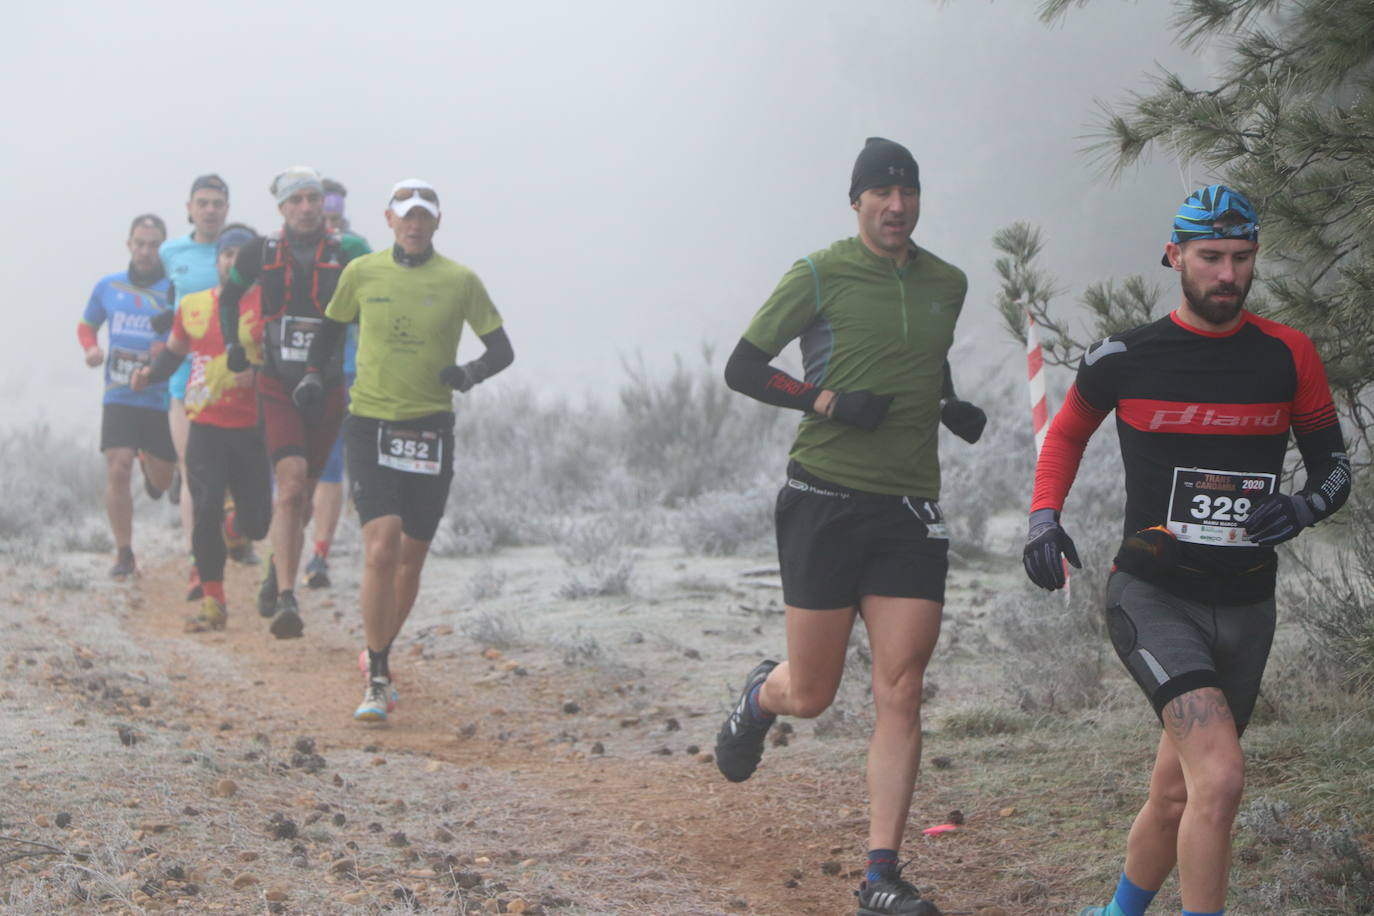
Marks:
<point>267,590</point>
<point>287,623</point>
<point>152,491</point>
<point>891,895</point>
<point>125,565</point>
<point>739,743</point>
<point>317,572</point>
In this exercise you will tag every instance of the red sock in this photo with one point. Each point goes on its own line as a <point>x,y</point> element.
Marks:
<point>322,549</point>
<point>214,590</point>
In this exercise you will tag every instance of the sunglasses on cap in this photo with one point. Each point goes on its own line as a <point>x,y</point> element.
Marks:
<point>1236,231</point>
<point>422,193</point>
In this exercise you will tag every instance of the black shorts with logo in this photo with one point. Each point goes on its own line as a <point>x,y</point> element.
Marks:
<point>1172,645</point>
<point>143,429</point>
<point>836,544</point>
<point>401,467</point>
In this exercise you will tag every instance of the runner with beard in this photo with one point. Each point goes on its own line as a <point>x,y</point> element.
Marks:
<point>1205,401</point>
<point>297,270</point>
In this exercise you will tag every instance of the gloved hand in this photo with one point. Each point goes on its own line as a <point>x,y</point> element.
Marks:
<point>457,378</point>
<point>236,358</point>
<point>162,322</point>
<point>863,409</point>
<point>1047,546</point>
<point>309,392</point>
<point>963,419</point>
<point>1278,518</point>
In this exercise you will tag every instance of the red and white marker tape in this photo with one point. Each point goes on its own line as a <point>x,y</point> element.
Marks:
<point>1039,402</point>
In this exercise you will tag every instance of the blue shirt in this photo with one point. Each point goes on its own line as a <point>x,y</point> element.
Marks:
<point>192,267</point>
<point>129,309</point>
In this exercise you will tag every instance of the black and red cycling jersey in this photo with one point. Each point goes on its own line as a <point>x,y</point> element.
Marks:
<point>1203,421</point>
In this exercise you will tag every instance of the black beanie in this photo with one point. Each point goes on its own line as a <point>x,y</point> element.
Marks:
<point>881,163</point>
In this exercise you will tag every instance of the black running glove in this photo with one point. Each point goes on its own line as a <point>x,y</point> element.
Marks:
<point>162,322</point>
<point>1278,518</point>
<point>1047,546</point>
<point>309,393</point>
<point>236,358</point>
<point>457,378</point>
<point>863,409</point>
<point>963,419</point>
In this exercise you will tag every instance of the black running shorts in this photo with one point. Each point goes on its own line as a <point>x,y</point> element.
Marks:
<point>143,429</point>
<point>1171,645</point>
<point>400,468</point>
<point>836,545</point>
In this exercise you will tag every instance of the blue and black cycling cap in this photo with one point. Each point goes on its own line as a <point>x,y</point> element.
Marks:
<point>1214,212</point>
<point>881,163</point>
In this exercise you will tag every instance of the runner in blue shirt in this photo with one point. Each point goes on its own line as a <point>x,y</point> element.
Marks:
<point>132,303</point>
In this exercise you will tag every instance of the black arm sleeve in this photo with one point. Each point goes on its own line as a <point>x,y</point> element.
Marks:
<point>747,371</point>
<point>498,356</point>
<point>325,343</point>
<point>247,267</point>
<point>1328,470</point>
<point>164,366</point>
<point>947,386</point>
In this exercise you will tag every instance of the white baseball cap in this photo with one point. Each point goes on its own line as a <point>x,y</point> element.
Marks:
<point>414,192</point>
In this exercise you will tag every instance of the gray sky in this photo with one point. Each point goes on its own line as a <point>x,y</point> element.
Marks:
<point>625,177</point>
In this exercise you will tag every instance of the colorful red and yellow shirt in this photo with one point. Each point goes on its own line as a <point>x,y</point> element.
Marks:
<point>213,396</point>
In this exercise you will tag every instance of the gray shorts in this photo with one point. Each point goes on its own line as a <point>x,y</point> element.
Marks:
<point>1171,645</point>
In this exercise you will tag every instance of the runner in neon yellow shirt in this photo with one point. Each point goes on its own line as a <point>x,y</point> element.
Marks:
<point>411,304</point>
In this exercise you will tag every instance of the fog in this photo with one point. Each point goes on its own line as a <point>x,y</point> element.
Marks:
<point>627,178</point>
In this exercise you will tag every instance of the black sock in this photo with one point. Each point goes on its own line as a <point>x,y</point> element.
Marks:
<point>880,862</point>
<point>378,663</point>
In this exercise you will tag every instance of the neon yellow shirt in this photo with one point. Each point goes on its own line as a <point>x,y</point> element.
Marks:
<point>410,320</point>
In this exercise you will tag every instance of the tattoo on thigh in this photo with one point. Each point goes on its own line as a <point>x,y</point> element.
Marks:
<point>1195,708</point>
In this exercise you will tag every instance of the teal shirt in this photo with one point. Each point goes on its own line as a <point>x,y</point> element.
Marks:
<point>863,324</point>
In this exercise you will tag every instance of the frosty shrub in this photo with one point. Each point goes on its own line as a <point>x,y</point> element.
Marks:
<point>523,469</point>
<point>1334,599</point>
<point>51,481</point>
<point>685,433</point>
<point>1322,864</point>
<point>993,474</point>
<point>494,631</point>
<point>487,582</point>
<point>722,523</point>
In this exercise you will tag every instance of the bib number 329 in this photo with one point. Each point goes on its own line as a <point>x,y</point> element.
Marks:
<point>1211,507</point>
<point>415,451</point>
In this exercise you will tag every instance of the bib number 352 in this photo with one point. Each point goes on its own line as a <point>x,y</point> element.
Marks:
<point>1211,507</point>
<point>415,451</point>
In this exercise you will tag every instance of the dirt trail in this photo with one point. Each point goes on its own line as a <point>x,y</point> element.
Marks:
<point>507,759</point>
<point>679,809</point>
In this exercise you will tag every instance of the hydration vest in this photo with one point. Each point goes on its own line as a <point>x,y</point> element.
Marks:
<point>285,294</point>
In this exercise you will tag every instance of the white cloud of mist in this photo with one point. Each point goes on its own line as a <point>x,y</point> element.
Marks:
<point>625,177</point>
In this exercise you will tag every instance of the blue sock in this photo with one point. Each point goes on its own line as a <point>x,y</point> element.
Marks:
<point>755,710</point>
<point>880,862</point>
<point>1131,900</point>
<point>1194,913</point>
